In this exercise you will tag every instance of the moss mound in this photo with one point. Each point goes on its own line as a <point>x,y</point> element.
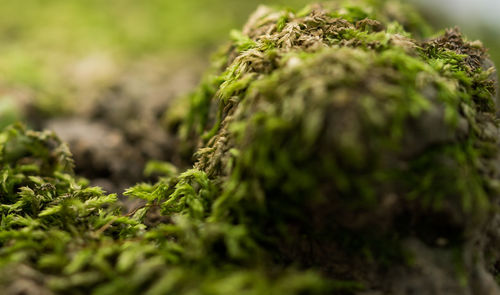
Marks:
<point>340,150</point>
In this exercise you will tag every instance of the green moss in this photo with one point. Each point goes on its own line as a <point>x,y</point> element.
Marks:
<point>335,153</point>
<point>348,125</point>
<point>57,235</point>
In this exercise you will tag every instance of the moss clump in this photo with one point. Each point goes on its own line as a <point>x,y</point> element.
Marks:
<point>337,154</point>
<point>344,143</point>
<point>59,236</point>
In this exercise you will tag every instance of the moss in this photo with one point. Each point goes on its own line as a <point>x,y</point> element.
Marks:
<point>59,236</point>
<point>338,152</point>
<point>333,125</point>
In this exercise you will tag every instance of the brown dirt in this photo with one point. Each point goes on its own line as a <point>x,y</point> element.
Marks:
<point>117,124</point>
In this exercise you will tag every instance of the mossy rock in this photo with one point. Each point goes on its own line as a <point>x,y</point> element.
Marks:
<point>340,150</point>
<point>345,142</point>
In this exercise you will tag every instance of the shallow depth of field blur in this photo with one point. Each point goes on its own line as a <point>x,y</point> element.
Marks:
<point>60,56</point>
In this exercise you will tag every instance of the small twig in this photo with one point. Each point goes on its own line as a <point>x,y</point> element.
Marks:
<point>106,226</point>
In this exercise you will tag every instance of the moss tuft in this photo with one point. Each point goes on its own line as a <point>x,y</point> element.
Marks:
<point>335,125</point>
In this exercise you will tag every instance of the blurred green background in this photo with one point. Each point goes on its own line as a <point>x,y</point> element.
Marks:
<point>59,55</point>
<point>48,49</point>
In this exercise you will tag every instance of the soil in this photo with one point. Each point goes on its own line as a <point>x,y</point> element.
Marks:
<point>115,131</point>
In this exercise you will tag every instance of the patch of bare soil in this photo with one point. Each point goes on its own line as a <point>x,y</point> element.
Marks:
<point>120,127</point>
